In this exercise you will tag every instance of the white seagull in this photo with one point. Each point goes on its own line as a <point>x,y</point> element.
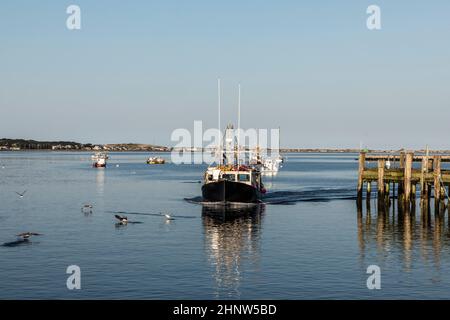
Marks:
<point>169,217</point>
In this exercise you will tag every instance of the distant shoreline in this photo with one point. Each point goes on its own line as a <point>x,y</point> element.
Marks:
<point>34,145</point>
<point>282,151</point>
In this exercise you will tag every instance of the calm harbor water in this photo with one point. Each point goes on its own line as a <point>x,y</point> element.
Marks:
<point>307,242</point>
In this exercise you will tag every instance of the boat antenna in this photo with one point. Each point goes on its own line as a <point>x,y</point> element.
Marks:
<point>239,123</point>
<point>279,142</point>
<point>219,149</point>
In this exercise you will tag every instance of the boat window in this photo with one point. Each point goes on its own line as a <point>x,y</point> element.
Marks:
<point>230,177</point>
<point>243,177</point>
<point>210,177</point>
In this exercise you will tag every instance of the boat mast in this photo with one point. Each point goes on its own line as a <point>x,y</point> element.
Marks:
<point>219,149</point>
<point>279,141</point>
<point>239,123</point>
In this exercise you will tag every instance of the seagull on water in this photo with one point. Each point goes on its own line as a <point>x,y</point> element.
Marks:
<point>21,194</point>
<point>26,235</point>
<point>87,207</point>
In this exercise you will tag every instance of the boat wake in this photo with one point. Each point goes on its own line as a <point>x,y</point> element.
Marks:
<point>148,214</point>
<point>292,197</point>
<point>317,195</point>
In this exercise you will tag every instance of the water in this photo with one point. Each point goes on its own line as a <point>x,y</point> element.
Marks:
<point>308,242</point>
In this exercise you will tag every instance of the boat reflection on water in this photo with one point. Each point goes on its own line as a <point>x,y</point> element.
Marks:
<point>421,233</point>
<point>100,182</point>
<point>232,244</point>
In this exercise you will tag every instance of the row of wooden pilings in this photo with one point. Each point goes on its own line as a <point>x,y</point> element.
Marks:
<point>402,181</point>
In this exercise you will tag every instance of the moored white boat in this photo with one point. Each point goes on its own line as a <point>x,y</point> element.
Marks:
<point>99,160</point>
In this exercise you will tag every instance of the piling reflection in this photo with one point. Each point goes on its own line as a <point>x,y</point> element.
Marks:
<point>232,244</point>
<point>408,233</point>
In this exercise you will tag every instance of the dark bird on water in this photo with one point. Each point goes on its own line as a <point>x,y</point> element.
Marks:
<point>20,194</point>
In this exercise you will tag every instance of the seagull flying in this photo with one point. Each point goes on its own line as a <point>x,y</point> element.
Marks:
<point>122,219</point>
<point>27,235</point>
<point>21,194</point>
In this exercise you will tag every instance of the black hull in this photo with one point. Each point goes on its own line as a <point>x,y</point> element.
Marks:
<point>99,165</point>
<point>229,191</point>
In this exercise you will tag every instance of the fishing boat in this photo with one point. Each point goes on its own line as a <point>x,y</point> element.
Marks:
<point>99,160</point>
<point>230,180</point>
<point>232,183</point>
<point>156,160</point>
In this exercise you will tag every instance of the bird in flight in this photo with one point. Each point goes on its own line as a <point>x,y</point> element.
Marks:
<point>20,194</point>
<point>122,219</point>
<point>26,235</point>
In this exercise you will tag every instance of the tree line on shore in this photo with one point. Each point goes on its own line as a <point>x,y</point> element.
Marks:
<point>23,144</point>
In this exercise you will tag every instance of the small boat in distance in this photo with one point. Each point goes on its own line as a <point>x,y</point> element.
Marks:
<point>270,166</point>
<point>99,160</point>
<point>156,160</point>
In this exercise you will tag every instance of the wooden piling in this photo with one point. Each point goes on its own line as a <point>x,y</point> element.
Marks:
<point>430,177</point>
<point>407,176</point>
<point>423,171</point>
<point>437,178</point>
<point>402,160</point>
<point>400,187</point>
<point>361,167</point>
<point>381,166</point>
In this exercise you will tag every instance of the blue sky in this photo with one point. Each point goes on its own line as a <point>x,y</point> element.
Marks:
<point>138,70</point>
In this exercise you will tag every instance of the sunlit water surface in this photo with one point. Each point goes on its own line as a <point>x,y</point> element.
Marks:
<point>307,242</point>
